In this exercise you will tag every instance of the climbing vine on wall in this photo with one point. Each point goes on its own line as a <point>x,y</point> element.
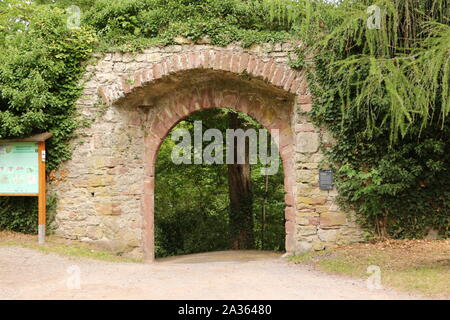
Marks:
<point>383,92</point>
<point>41,63</point>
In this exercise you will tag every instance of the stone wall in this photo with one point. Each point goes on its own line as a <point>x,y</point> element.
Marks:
<point>106,190</point>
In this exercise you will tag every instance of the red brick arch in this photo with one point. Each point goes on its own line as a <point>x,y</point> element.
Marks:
<point>277,74</point>
<point>169,114</point>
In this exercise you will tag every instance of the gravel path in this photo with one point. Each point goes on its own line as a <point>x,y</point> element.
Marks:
<point>29,274</point>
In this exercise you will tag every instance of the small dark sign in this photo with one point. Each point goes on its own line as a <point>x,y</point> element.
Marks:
<point>325,179</point>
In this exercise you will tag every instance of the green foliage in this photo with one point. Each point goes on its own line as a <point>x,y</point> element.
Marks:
<point>192,202</point>
<point>133,24</point>
<point>40,69</point>
<point>407,183</point>
<point>39,74</point>
<point>383,94</point>
<point>268,209</point>
<point>380,70</point>
<point>21,214</point>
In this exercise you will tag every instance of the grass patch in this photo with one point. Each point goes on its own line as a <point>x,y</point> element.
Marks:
<point>430,280</point>
<point>303,258</point>
<point>62,247</point>
<point>417,266</point>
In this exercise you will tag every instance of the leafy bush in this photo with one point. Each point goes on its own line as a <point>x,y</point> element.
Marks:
<point>40,70</point>
<point>21,214</point>
<point>383,94</point>
<point>133,24</point>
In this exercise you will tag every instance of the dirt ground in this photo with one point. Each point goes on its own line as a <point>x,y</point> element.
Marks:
<point>30,274</point>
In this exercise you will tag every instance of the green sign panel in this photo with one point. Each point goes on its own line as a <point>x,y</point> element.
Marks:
<point>19,168</point>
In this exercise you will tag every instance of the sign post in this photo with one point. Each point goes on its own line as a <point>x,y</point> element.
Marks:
<point>42,193</point>
<point>22,172</point>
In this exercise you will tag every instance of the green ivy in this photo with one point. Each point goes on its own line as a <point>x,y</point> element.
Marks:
<point>405,185</point>
<point>131,25</point>
<point>40,71</point>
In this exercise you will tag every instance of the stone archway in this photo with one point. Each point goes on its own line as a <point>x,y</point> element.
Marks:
<point>188,101</point>
<point>103,198</point>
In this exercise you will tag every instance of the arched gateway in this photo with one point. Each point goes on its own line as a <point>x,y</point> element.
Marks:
<point>106,191</point>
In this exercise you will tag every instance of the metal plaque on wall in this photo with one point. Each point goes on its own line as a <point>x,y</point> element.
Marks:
<point>325,179</point>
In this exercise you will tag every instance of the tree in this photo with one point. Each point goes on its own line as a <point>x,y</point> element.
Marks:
<point>241,195</point>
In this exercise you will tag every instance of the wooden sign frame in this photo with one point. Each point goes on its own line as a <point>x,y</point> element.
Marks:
<point>42,199</point>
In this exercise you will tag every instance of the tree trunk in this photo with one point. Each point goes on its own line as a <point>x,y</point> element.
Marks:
<point>382,224</point>
<point>263,218</point>
<point>241,197</point>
